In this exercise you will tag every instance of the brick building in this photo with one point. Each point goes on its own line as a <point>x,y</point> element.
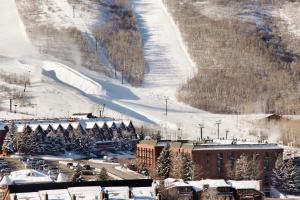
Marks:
<point>212,157</point>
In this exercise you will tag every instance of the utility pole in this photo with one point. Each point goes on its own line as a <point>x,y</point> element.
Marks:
<point>201,126</point>
<point>166,99</point>
<point>227,131</point>
<point>218,124</point>
<point>103,109</point>
<point>73,11</point>
<point>122,76</point>
<point>96,44</point>
<point>10,105</point>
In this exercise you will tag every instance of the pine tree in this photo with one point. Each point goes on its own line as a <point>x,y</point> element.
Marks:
<point>230,170</point>
<point>284,175</point>
<point>163,166</point>
<point>290,176</point>
<point>187,170</point>
<point>8,143</point>
<point>198,172</point>
<point>103,175</point>
<point>278,173</point>
<point>255,172</point>
<point>242,168</point>
<point>177,166</point>
<point>23,140</point>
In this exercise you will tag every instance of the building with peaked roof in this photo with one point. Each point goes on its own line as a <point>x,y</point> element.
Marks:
<point>212,157</point>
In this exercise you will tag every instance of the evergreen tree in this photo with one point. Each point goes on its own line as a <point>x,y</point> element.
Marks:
<point>242,168</point>
<point>163,167</point>
<point>229,170</point>
<point>177,166</point>
<point>284,175</point>
<point>278,173</point>
<point>8,143</point>
<point>23,140</point>
<point>187,168</point>
<point>290,175</point>
<point>103,175</point>
<point>255,166</point>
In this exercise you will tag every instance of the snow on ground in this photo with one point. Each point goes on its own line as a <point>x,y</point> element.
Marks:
<point>12,32</point>
<point>72,90</point>
<point>290,13</point>
<point>71,77</point>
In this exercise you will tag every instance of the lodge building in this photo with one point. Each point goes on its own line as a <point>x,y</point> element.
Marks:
<point>212,157</point>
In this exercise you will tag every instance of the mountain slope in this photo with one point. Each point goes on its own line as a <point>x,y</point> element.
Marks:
<point>56,94</point>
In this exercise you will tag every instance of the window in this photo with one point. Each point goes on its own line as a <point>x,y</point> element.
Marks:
<point>220,163</point>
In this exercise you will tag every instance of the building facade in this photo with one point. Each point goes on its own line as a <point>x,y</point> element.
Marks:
<point>213,157</point>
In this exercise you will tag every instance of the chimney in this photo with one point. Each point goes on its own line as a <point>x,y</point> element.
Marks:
<point>74,197</point>
<point>130,193</point>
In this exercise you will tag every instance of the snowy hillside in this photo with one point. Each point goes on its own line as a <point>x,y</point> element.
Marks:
<point>58,89</point>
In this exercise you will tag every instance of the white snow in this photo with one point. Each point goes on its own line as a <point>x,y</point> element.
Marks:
<point>55,194</point>
<point>28,176</point>
<point>62,90</point>
<point>86,193</point>
<point>252,184</point>
<point>12,32</point>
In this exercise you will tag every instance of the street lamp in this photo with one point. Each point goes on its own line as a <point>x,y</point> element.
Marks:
<point>201,126</point>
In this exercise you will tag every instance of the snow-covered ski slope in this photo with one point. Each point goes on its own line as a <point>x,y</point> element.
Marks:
<point>169,62</point>
<point>68,89</point>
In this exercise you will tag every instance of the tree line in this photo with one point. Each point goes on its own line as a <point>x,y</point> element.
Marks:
<point>242,68</point>
<point>123,44</point>
<point>58,141</point>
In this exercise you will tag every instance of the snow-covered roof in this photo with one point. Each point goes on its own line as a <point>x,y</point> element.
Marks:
<point>100,124</point>
<point>252,184</point>
<point>85,193</point>
<point>119,124</point>
<point>55,125</point>
<point>20,127</point>
<point>55,194</point>
<point>26,196</point>
<point>74,125</point>
<point>110,124</point>
<point>65,125</point>
<point>212,183</point>
<point>126,122</point>
<point>44,126</point>
<point>90,125</point>
<point>33,126</point>
<point>143,193</point>
<point>6,181</point>
<point>117,192</point>
<point>28,176</point>
<point>62,178</point>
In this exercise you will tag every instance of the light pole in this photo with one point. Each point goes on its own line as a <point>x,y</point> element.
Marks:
<point>103,109</point>
<point>227,131</point>
<point>218,125</point>
<point>166,99</point>
<point>201,126</point>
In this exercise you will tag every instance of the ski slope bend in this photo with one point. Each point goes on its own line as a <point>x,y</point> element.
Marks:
<point>169,62</point>
<point>71,77</point>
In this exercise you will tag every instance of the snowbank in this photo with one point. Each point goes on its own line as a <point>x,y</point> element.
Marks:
<point>71,77</point>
